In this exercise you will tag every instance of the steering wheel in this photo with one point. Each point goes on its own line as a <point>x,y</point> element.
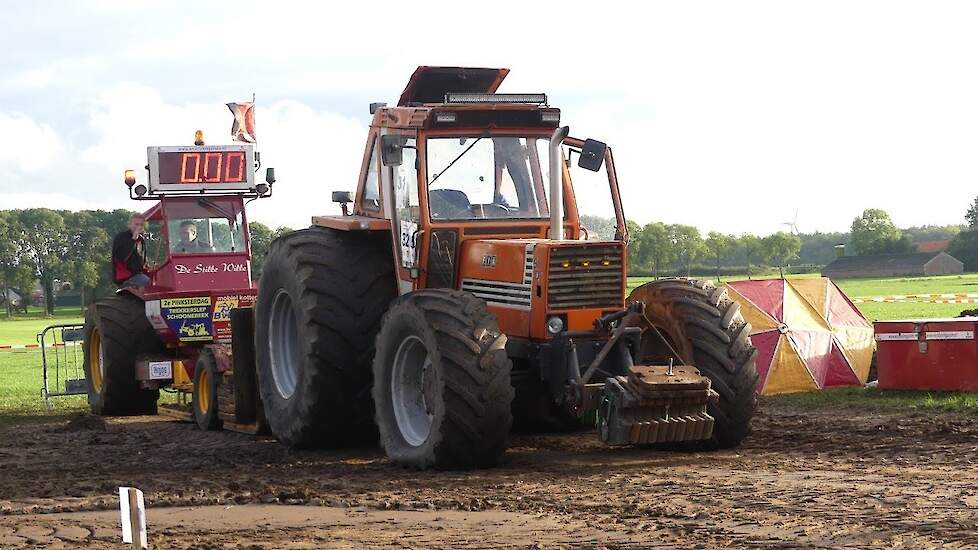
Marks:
<point>494,210</point>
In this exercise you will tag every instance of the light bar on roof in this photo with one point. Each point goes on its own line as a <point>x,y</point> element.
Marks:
<point>539,99</point>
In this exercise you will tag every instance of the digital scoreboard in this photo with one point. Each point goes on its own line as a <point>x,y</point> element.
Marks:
<point>201,168</point>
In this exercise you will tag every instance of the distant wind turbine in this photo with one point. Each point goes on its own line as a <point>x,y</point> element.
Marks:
<point>793,224</point>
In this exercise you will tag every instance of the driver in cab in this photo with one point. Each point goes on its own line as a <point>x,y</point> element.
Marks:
<point>189,242</point>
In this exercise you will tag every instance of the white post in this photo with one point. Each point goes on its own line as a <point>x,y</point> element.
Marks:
<point>133,511</point>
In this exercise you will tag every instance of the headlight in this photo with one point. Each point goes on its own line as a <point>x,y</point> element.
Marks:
<point>555,325</point>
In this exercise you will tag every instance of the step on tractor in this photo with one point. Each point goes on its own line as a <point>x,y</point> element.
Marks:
<point>471,281</point>
<point>176,333</point>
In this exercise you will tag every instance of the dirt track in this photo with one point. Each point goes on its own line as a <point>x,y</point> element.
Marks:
<point>805,478</point>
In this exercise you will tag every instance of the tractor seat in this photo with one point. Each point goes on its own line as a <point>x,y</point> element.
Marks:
<point>448,204</point>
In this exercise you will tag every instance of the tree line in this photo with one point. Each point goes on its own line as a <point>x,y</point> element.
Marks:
<point>657,249</point>
<point>60,249</point>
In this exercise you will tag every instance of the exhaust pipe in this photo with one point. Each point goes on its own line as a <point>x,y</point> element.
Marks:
<point>556,184</point>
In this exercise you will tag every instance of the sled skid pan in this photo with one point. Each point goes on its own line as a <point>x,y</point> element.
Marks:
<point>655,404</point>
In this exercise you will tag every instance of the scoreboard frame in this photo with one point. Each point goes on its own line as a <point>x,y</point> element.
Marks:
<point>153,166</point>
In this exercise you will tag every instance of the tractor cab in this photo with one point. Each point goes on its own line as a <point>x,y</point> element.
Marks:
<point>482,192</point>
<point>198,250</point>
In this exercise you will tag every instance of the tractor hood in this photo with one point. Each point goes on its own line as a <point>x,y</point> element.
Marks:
<point>430,84</point>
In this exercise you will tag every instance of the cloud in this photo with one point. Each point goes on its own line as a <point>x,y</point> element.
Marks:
<point>26,147</point>
<point>314,152</point>
<point>724,115</point>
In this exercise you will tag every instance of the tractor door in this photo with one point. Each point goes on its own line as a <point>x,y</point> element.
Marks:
<point>596,196</point>
<point>407,228</point>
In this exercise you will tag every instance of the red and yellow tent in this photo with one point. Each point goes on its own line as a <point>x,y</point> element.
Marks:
<point>808,334</point>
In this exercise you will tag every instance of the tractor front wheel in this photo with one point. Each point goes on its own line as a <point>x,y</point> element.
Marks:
<point>698,322</point>
<point>442,387</point>
<point>116,333</point>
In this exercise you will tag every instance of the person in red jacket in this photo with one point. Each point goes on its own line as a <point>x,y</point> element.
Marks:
<point>129,255</point>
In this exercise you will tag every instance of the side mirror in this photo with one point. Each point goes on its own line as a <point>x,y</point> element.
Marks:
<point>344,198</point>
<point>391,150</point>
<point>592,155</point>
<point>269,176</point>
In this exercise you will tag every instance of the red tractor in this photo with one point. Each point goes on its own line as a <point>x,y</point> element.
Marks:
<point>176,333</point>
<point>467,286</point>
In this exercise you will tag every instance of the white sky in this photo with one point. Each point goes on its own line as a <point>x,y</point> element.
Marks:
<point>724,115</point>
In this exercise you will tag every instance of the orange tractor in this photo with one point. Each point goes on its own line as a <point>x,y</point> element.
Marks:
<point>466,288</point>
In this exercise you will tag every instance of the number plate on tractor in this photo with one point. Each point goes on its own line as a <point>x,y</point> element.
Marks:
<point>160,370</point>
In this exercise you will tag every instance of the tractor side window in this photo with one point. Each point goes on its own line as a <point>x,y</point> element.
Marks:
<point>371,184</point>
<point>155,246</point>
<point>405,178</point>
<point>595,205</point>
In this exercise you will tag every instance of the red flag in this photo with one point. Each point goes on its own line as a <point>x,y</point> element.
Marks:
<point>243,128</point>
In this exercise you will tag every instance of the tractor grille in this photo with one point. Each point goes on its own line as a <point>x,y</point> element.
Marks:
<point>579,278</point>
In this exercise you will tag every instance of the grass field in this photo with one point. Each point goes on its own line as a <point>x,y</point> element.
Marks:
<point>20,387</point>
<point>888,400</point>
<point>23,329</point>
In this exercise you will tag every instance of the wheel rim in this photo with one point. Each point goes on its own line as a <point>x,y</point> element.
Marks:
<point>204,391</point>
<point>283,344</point>
<point>96,360</point>
<point>410,381</point>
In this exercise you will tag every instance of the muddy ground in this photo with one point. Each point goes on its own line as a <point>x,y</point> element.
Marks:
<point>808,478</point>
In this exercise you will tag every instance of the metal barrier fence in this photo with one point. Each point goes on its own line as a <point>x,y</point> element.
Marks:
<point>62,359</point>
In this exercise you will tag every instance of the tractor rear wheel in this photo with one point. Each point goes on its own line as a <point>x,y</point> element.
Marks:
<point>206,380</point>
<point>116,333</point>
<point>320,301</point>
<point>442,387</point>
<point>705,328</point>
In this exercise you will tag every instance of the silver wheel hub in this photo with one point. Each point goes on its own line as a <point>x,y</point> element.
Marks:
<point>410,391</point>
<point>283,344</point>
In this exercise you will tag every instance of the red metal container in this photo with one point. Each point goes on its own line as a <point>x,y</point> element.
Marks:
<point>927,354</point>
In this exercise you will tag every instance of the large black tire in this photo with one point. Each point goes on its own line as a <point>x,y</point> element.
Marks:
<point>116,333</point>
<point>320,301</point>
<point>205,403</point>
<point>456,415</point>
<point>706,329</point>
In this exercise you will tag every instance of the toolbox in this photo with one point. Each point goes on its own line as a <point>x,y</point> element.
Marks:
<point>927,354</point>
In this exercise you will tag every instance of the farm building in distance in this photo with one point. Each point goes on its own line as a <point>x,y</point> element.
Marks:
<point>893,265</point>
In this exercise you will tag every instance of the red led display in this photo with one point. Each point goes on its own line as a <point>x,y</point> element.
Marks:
<point>202,167</point>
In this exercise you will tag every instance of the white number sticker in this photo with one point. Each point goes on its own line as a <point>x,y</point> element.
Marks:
<point>408,239</point>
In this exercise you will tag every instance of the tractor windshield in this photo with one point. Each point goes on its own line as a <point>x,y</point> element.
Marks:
<point>487,177</point>
<point>205,235</point>
<point>205,226</point>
